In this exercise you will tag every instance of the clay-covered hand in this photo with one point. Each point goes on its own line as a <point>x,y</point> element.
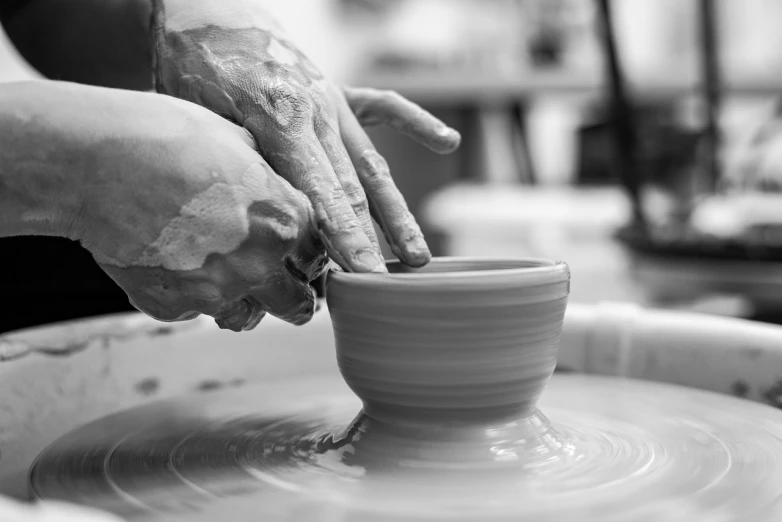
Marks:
<point>185,215</point>
<point>232,58</point>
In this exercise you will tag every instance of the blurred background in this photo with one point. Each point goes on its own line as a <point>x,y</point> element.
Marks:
<point>639,140</point>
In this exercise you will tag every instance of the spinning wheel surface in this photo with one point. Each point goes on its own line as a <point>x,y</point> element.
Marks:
<point>603,449</point>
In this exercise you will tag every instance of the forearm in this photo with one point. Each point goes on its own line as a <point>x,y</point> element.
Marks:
<point>97,42</point>
<point>42,160</point>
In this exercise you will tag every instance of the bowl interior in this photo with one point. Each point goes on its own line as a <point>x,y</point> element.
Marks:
<point>447,265</point>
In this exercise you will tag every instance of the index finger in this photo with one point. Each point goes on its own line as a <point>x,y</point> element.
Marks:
<point>387,203</point>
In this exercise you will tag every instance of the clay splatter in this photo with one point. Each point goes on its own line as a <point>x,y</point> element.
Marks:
<point>163,330</point>
<point>751,352</point>
<point>14,346</point>
<point>740,389</point>
<point>13,349</point>
<point>207,386</point>
<point>148,386</point>
<point>65,350</point>
<point>213,385</point>
<point>773,395</point>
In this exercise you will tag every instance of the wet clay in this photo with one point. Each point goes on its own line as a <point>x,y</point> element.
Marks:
<point>210,224</point>
<point>457,340</point>
<point>444,414</point>
<point>604,450</point>
<point>217,221</point>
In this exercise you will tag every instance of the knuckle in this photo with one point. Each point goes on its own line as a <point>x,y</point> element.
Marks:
<point>284,93</point>
<point>289,105</point>
<point>354,193</point>
<point>348,91</point>
<point>374,168</point>
<point>335,218</point>
<point>361,209</point>
<point>360,94</point>
<point>312,180</point>
<point>391,97</point>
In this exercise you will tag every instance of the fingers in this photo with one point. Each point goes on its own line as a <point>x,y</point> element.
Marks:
<point>375,107</point>
<point>288,298</point>
<point>171,296</point>
<point>346,173</point>
<point>386,202</point>
<point>242,315</point>
<point>285,296</point>
<point>282,228</point>
<point>304,163</point>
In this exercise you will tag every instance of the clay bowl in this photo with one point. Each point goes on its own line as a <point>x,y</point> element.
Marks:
<point>464,343</point>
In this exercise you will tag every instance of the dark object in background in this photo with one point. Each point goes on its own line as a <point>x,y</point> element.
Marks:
<point>546,49</point>
<point>683,243</point>
<point>8,8</point>
<point>49,279</point>
<point>623,118</point>
<point>712,89</point>
<point>665,148</point>
<point>361,7</point>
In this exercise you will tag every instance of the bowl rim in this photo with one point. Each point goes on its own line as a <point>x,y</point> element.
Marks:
<point>531,268</point>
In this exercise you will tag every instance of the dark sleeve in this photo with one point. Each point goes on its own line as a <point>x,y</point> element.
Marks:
<point>8,8</point>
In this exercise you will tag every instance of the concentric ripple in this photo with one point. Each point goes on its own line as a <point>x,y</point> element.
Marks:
<point>606,449</point>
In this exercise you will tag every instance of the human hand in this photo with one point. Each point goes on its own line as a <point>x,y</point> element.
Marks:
<point>181,211</point>
<point>231,58</point>
<point>50,511</point>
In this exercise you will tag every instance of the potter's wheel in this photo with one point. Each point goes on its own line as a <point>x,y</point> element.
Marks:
<point>607,449</point>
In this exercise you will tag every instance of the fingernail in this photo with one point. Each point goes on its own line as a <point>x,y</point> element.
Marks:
<point>371,261</point>
<point>418,252</point>
<point>235,323</point>
<point>448,133</point>
<point>235,317</point>
<point>305,315</point>
<point>254,320</point>
<point>418,244</point>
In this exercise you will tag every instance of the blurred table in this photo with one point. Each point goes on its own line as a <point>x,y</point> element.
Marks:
<point>563,223</point>
<point>578,226</point>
